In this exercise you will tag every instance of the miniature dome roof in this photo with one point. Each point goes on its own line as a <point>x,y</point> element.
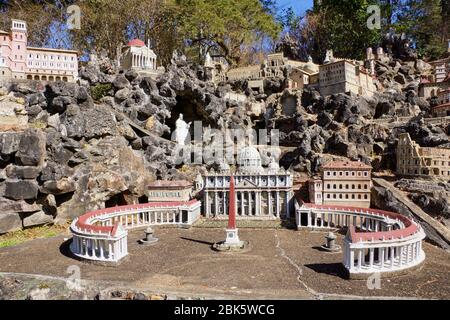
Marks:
<point>311,67</point>
<point>249,159</point>
<point>136,43</point>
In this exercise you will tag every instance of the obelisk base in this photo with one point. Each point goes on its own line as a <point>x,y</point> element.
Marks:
<point>232,243</point>
<point>232,238</point>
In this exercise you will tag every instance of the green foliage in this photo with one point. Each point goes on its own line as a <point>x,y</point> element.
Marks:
<point>100,90</point>
<point>344,28</point>
<point>224,26</point>
<point>424,21</point>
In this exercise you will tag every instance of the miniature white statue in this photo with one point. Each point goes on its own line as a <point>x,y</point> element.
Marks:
<point>208,60</point>
<point>329,57</point>
<point>182,130</point>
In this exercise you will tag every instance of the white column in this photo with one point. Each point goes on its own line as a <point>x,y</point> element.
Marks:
<point>360,257</point>
<point>381,254</point>
<point>309,218</point>
<point>224,203</point>
<point>125,249</point>
<point>109,250</point>
<point>102,253</point>
<point>216,207</point>
<point>206,204</point>
<point>269,202</point>
<point>371,255</point>
<point>400,256</point>
<point>288,214</point>
<point>277,208</point>
<point>352,259</point>
<point>250,207</point>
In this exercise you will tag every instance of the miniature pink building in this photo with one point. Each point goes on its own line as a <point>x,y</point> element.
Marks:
<point>17,61</point>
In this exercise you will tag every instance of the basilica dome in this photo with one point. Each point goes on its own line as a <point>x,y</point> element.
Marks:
<point>249,160</point>
<point>311,67</point>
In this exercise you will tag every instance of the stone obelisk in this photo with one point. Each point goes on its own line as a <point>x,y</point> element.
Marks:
<point>232,231</point>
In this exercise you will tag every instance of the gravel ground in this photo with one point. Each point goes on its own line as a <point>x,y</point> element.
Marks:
<point>282,264</point>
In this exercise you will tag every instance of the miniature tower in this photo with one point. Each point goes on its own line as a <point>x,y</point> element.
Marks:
<point>232,231</point>
<point>18,48</point>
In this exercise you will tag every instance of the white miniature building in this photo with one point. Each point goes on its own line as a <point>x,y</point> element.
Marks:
<point>176,190</point>
<point>376,241</point>
<point>342,76</point>
<point>261,193</point>
<point>101,235</point>
<point>137,56</point>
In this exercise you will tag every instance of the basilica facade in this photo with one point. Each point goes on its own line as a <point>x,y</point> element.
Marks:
<point>261,193</point>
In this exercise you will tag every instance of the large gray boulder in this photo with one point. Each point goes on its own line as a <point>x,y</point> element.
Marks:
<point>32,148</point>
<point>21,189</point>
<point>37,219</point>
<point>9,142</point>
<point>9,222</point>
<point>22,172</point>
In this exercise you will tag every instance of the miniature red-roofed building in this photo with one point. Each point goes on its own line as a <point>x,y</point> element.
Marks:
<point>139,57</point>
<point>342,182</point>
<point>136,43</point>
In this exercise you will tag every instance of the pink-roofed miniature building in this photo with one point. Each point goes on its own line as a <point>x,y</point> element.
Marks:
<point>18,61</point>
<point>139,57</point>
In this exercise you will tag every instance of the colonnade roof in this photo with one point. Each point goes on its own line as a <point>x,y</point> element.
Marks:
<point>410,228</point>
<point>84,221</point>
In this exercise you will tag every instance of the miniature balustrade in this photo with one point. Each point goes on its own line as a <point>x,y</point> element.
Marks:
<point>102,235</point>
<point>377,241</point>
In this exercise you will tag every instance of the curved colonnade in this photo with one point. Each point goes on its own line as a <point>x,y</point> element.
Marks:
<point>101,235</point>
<point>376,240</point>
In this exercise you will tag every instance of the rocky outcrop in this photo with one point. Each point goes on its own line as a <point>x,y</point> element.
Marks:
<point>13,115</point>
<point>386,197</point>
<point>98,142</point>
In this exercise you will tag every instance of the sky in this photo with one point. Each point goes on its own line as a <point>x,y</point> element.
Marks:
<point>300,6</point>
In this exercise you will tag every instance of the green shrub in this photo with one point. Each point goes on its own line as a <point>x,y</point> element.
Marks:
<point>100,90</point>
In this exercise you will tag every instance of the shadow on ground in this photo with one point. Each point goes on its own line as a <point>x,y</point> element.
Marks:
<point>198,241</point>
<point>334,269</point>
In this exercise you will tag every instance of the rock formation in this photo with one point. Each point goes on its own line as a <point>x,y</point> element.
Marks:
<point>77,147</point>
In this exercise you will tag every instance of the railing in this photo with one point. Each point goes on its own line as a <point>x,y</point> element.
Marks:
<point>376,241</point>
<point>101,235</point>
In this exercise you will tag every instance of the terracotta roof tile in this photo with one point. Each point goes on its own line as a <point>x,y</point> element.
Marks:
<point>136,43</point>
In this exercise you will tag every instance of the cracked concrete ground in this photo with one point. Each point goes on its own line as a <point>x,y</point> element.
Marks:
<point>282,264</point>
